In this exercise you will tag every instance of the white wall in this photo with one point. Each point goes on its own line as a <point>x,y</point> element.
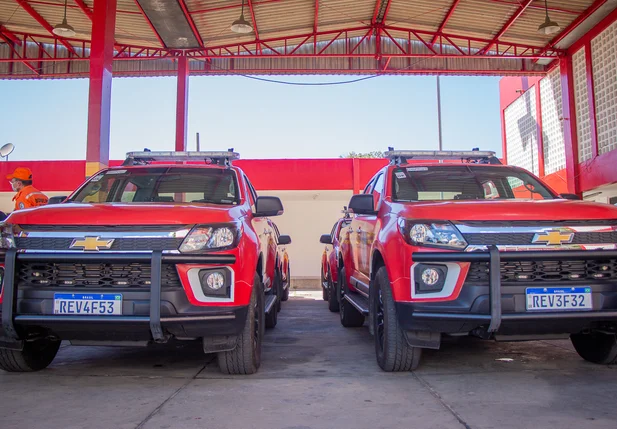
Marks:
<point>308,214</point>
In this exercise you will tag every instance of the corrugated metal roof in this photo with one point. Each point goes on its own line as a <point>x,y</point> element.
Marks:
<point>293,19</point>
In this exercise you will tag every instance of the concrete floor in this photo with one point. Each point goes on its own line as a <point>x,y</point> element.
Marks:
<point>315,374</point>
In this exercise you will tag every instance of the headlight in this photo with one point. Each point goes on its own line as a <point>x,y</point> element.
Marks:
<point>432,234</point>
<point>205,237</point>
<point>7,238</point>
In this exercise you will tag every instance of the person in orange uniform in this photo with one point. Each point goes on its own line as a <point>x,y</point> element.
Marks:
<point>27,195</point>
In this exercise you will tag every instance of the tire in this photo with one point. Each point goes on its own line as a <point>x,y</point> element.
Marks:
<point>350,316</point>
<point>392,351</point>
<point>324,291</point>
<point>35,356</point>
<point>272,317</point>
<point>278,279</point>
<point>246,357</point>
<point>334,293</point>
<point>596,347</point>
<point>285,296</point>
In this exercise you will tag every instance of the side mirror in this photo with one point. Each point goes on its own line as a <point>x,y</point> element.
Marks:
<point>362,204</point>
<point>284,239</point>
<point>268,206</point>
<point>57,200</point>
<point>570,197</point>
<point>325,239</point>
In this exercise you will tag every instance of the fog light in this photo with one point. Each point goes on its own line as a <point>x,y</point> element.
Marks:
<point>215,283</point>
<point>215,280</point>
<point>605,268</point>
<point>430,276</point>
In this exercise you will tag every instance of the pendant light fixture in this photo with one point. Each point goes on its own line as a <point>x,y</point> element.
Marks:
<point>241,25</point>
<point>548,27</point>
<point>64,29</point>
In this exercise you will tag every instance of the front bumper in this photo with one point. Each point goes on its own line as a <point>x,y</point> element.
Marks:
<point>153,314</point>
<point>500,309</point>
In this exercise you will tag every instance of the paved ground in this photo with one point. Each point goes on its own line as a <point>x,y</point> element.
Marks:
<point>315,374</point>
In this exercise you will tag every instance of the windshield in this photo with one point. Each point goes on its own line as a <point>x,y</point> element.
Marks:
<point>161,184</point>
<point>442,183</point>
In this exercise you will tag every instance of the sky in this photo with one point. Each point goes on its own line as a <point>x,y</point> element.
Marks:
<point>47,119</point>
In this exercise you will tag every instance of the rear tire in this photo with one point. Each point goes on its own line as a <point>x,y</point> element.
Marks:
<point>333,295</point>
<point>596,347</point>
<point>35,356</point>
<point>324,290</point>
<point>392,351</point>
<point>285,296</point>
<point>246,357</point>
<point>350,316</point>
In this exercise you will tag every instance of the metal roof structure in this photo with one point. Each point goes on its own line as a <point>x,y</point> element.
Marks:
<point>463,37</point>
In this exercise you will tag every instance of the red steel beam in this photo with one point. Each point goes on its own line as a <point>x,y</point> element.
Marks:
<point>189,18</point>
<point>70,6</point>
<point>507,25</point>
<point>84,8</point>
<point>591,99</point>
<point>569,125</point>
<point>182,103</point>
<point>14,53</point>
<point>316,20</point>
<point>539,130</point>
<point>445,20</point>
<point>99,93</point>
<point>250,2</point>
<point>156,33</point>
<point>9,35</point>
<point>34,14</point>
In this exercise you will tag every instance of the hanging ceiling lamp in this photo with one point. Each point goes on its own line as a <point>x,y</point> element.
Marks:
<point>64,29</point>
<point>241,25</point>
<point>548,27</point>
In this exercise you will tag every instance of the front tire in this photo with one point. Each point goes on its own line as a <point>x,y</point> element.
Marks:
<point>246,357</point>
<point>35,356</point>
<point>596,347</point>
<point>333,295</point>
<point>350,316</point>
<point>285,296</point>
<point>392,351</point>
<point>324,290</point>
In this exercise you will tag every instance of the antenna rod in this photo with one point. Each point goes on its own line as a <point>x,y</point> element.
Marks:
<point>197,141</point>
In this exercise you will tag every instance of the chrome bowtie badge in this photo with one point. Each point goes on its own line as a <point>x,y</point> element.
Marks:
<point>553,238</point>
<point>91,243</point>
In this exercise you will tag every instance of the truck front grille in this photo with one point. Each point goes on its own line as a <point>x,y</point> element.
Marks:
<point>546,271</point>
<point>93,275</point>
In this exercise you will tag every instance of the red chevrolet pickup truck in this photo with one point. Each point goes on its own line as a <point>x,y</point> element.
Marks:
<point>468,246</point>
<point>153,250</point>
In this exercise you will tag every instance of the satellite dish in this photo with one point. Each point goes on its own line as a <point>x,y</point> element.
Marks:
<point>6,150</point>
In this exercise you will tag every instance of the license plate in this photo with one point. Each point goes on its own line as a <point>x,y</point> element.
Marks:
<point>106,304</point>
<point>560,299</point>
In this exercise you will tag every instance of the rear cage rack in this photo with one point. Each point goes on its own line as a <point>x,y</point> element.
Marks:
<point>147,157</point>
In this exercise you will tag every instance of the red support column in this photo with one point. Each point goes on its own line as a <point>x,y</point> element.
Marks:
<point>99,103</point>
<point>539,132</point>
<point>182,103</point>
<point>569,124</point>
<point>591,99</point>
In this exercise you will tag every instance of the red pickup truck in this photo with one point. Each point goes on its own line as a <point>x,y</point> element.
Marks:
<point>155,249</point>
<point>468,246</point>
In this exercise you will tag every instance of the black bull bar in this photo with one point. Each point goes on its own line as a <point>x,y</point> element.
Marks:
<point>494,257</point>
<point>156,258</point>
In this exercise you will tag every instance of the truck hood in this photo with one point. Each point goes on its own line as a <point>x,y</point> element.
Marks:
<point>509,210</point>
<point>125,214</point>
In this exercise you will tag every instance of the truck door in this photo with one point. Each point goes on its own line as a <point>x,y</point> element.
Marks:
<point>366,231</point>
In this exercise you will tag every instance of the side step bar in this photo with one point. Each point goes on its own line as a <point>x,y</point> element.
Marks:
<point>270,301</point>
<point>358,301</point>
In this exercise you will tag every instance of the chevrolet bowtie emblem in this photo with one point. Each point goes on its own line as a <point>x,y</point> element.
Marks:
<point>91,243</point>
<point>553,238</point>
